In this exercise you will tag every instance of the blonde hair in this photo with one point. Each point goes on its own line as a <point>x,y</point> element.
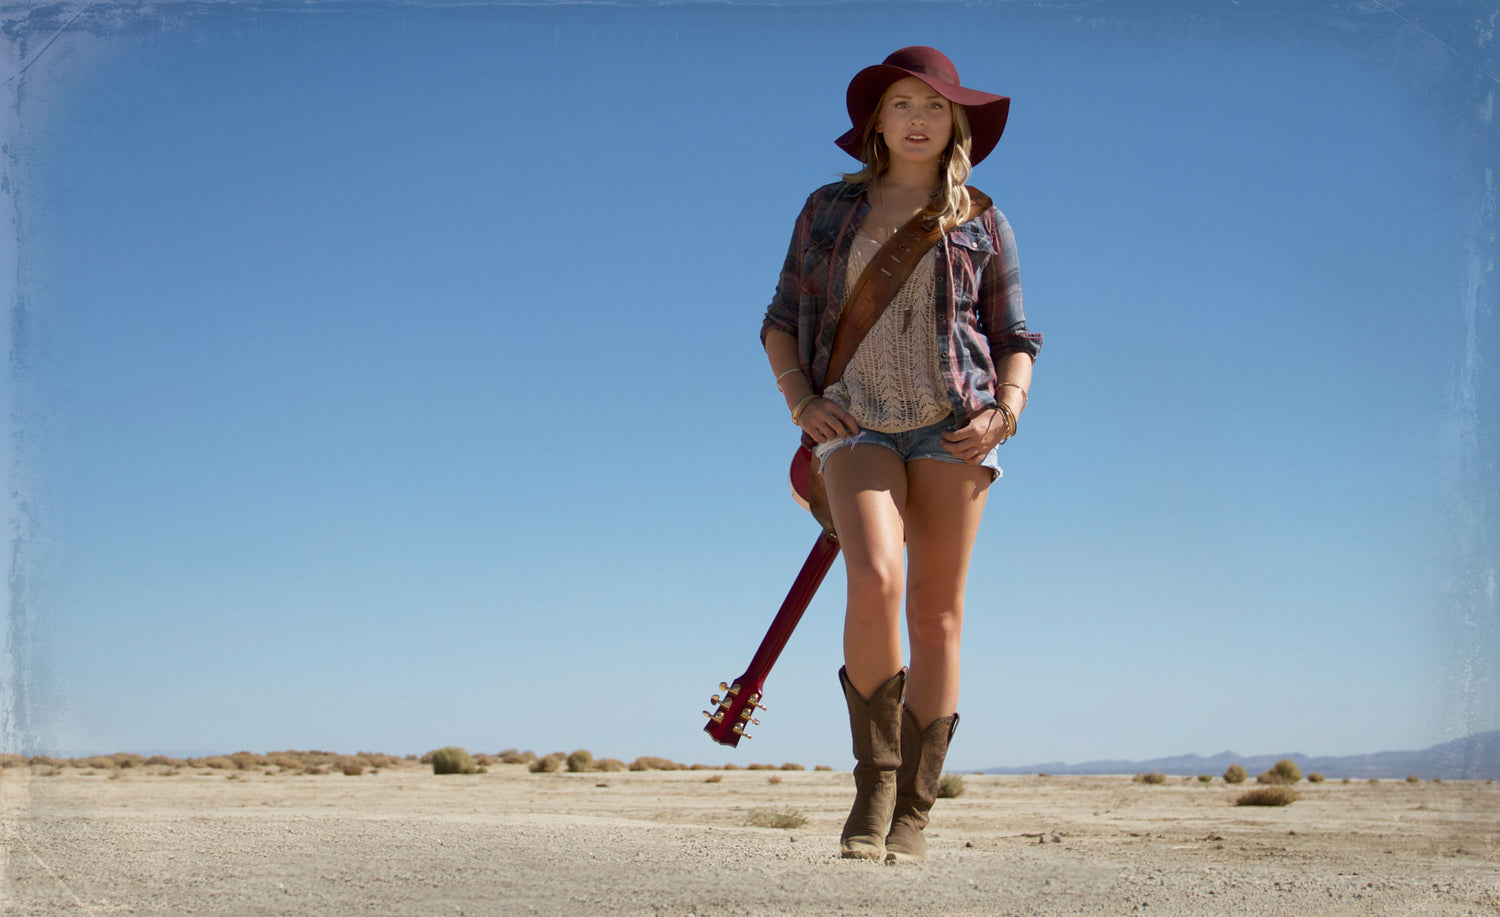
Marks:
<point>950,203</point>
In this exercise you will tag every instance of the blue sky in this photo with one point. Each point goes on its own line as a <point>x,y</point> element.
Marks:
<point>389,378</point>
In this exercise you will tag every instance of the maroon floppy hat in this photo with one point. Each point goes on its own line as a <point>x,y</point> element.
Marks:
<point>986,111</point>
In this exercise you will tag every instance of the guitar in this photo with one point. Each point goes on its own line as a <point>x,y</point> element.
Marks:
<point>735,708</point>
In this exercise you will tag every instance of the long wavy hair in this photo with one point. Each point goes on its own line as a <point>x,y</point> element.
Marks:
<point>950,203</point>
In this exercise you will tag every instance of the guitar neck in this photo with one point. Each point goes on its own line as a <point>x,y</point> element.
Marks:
<point>737,706</point>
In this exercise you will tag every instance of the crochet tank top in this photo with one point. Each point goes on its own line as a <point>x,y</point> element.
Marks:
<point>893,382</point>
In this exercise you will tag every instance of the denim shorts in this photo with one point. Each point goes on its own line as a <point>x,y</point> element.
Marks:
<point>921,443</point>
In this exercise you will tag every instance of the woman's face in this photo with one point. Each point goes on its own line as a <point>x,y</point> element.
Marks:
<point>915,121</point>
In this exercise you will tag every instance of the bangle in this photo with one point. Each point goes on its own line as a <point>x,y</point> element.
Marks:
<point>1018,388</point>
<point>802,406</point>
<point>1009,417</point>
<point>794,369</point>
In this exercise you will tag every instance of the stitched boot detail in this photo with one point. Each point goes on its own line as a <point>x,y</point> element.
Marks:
<point>922,754</point>
<point>876,727</point>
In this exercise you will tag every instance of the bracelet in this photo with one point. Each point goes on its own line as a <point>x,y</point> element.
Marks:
<point>1009,417</point>
<point>802,406</point>
<point>1018,388</point>
<point>794,369</point>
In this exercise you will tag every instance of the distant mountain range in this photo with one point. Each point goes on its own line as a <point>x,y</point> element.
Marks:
<point>1475,757</point>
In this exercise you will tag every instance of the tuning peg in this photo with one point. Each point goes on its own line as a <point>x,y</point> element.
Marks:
<point>755,702</point>
<point>740,731</point>
<point>714,699</point>
<point>734,688</point>
<point>717,716</point>
<point>723,686</point>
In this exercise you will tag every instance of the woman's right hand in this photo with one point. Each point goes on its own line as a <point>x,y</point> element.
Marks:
<point>824,420</point>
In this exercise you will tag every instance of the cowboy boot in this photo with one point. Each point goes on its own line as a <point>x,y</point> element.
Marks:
<point>876,725</point>
<point>922,754</point>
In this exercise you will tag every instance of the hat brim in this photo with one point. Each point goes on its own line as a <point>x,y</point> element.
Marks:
<point>986,111</point>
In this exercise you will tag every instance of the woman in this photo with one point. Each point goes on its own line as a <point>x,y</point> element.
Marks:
<point>907,434</point>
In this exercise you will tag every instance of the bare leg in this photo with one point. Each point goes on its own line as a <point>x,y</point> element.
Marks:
<point>944,503</point>
<point>867,493</point>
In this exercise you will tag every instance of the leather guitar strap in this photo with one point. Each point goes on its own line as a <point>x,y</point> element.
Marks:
<point>882,279</point>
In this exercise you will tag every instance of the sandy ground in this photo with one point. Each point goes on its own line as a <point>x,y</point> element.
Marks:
<point>403,841</point>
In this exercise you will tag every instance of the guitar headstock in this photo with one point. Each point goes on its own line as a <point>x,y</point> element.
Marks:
<point>733,713</point>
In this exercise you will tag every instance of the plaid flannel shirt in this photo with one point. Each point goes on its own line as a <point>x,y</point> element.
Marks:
<point>979,312</point>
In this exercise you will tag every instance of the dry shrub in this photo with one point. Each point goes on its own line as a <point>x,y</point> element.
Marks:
<point>1314,777</point>
<point>760,767</point>
<point>10,759</point>
<point>580,761</point>
<point>1282,772</point>
<point>166,761</point>
<point>46,761</point>
<point>218,762</point>
<point>822,767</point>
<point>731,766</point>
<point>612,765</point>
<point>511,756</point>
<point>1273,795</point>
<point>1412,778</point>
<point>790,766</point>
<point>653,763</point>
<point>98,762</point>
<point>775,818</point>
<point>50,771</point>
<point>950,786</point>
<point>377,760</point>
<point>1155,778</point>
<point>314,770</point>
<point>352,767</point>
<point>247,760</point>
<point>550,764</point>
<point>451,759</point>
<point>1235,774</point>
<point>1205,778</point>
<point>701,767</point>
<point>128,759</point>
<point>773,779</point>
<point>285,761</point>
<point>715,778</point>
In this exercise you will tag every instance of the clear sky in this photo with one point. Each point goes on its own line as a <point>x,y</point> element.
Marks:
<point>384,379</point>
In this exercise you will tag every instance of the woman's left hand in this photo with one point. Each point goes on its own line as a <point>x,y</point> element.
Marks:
<point>973,442</point>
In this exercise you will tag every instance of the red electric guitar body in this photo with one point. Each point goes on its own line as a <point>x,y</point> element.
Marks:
<point>735,707</point>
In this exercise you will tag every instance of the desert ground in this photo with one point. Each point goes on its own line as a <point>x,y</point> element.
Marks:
<point>400,840</point>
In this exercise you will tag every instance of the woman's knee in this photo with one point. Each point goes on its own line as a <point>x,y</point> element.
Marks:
<point>875,581</point>
<point>934,626</point>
